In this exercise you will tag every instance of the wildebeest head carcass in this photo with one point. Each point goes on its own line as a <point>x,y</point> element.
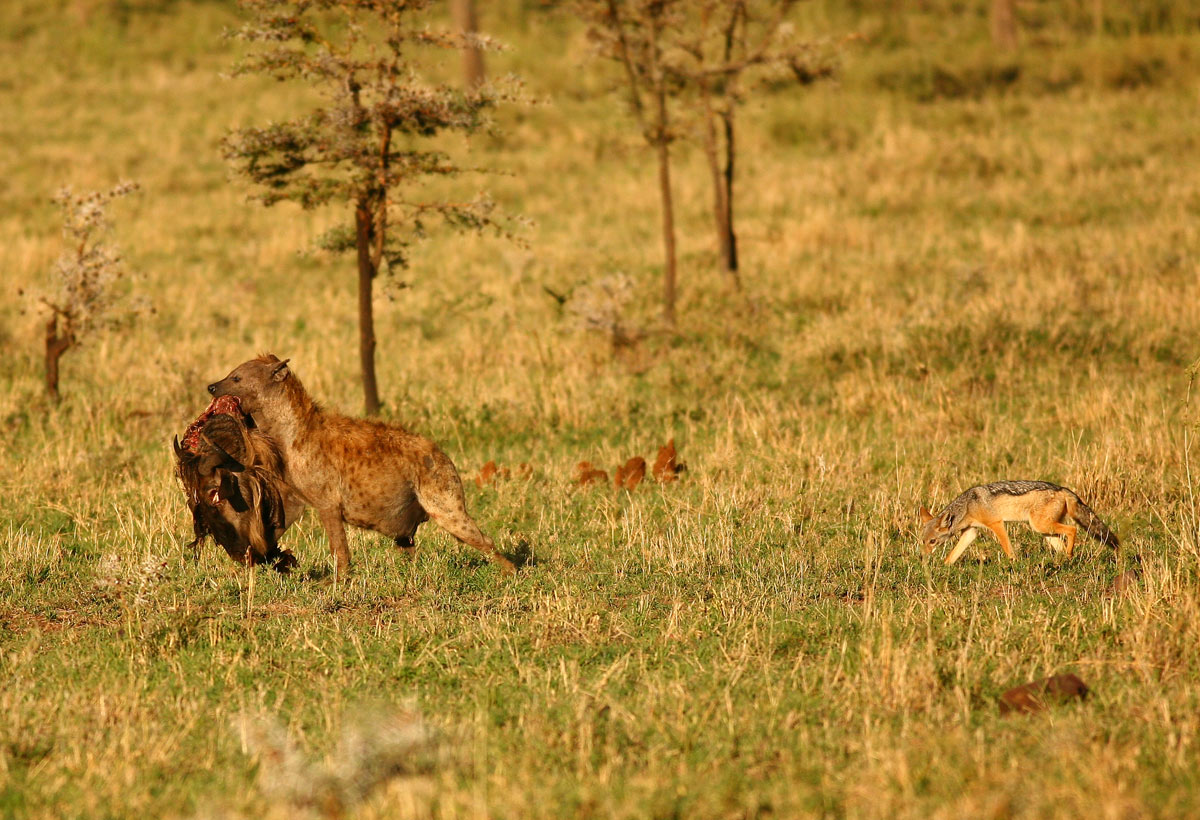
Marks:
<point>232,474</point>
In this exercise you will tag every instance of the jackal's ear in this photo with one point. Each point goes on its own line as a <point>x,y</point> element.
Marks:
<point>280,372</point>
<point>926,515</point>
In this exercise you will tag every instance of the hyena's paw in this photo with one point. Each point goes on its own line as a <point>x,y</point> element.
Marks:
<point>506,566</point>
<point>285,562</point>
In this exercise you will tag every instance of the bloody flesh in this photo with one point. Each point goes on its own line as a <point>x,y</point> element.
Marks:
<point>228,405</point>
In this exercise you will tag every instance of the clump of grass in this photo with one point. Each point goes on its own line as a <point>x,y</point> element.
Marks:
<point>135,586</point>
<point>377,746</point>
<point>602,306</point>
<point>83,293</point>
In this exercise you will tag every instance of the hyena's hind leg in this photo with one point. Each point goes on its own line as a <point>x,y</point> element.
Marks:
<point>441,495</point>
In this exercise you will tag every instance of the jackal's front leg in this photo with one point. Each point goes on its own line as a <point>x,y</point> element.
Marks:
<point>964,541</point>
<point>997,528</point>
<point>335,530</point>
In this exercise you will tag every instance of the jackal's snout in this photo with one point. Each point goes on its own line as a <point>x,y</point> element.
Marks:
<point>212,388</point>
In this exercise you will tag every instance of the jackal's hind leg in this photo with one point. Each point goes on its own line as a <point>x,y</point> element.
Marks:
<point>1068,534</point>
<point>964,541</point>
<point>1053,527</point>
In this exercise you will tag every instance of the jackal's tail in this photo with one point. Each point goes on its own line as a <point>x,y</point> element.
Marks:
<point>1092,524</point>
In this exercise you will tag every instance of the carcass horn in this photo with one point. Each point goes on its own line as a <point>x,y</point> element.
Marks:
<point>219,458</point>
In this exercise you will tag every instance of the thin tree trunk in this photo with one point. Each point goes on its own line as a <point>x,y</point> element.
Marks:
<point>635,99</point>
<point>660,137</point>
<point>366,315</point>
<point>668,213</point>
<point>730,233</point>
<point>468,23</point>
<point>720,200</point>
<point>718,183</point>
<point>1004,24</point>
<point>56,346</point>
<point>737,14</point>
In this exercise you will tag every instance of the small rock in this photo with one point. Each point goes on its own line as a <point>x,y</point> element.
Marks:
<point>1034,697</point>
<point>631,474</point>
<point>487,474</point>
<point>1124,583</point>
<point>667,466</point>
<point>588,474</point>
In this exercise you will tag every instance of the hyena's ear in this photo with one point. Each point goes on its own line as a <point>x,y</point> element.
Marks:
<point>280,372</point>
<point>926,515</point>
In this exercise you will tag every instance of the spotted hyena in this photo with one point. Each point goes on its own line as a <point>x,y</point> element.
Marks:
<point>354,471</point>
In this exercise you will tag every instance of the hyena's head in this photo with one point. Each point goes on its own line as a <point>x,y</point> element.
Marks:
<point>935,529</point>
<point>254,382</point>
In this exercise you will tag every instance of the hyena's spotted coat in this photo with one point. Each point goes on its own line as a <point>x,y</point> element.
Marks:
<point>354,471</point>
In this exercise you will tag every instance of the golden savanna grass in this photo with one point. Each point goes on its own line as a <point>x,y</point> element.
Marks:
<point>950,279</point>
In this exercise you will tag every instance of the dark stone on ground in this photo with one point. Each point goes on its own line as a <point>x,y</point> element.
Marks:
<point>1124,583</point>
<point>1037,695</point>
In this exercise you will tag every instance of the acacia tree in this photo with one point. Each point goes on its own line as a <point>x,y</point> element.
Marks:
<point>369,143</point>
<point>697,60</point>
<point>732,47</point>
<point>83,295</point>
<point>635,33</point>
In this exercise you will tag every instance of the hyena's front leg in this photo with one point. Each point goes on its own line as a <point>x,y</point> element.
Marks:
<point>335,530</point>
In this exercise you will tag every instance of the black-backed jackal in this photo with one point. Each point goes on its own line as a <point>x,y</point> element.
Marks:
<point>1044,506</point>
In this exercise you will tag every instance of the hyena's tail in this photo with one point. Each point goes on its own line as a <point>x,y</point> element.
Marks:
<point>1092,524</point>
